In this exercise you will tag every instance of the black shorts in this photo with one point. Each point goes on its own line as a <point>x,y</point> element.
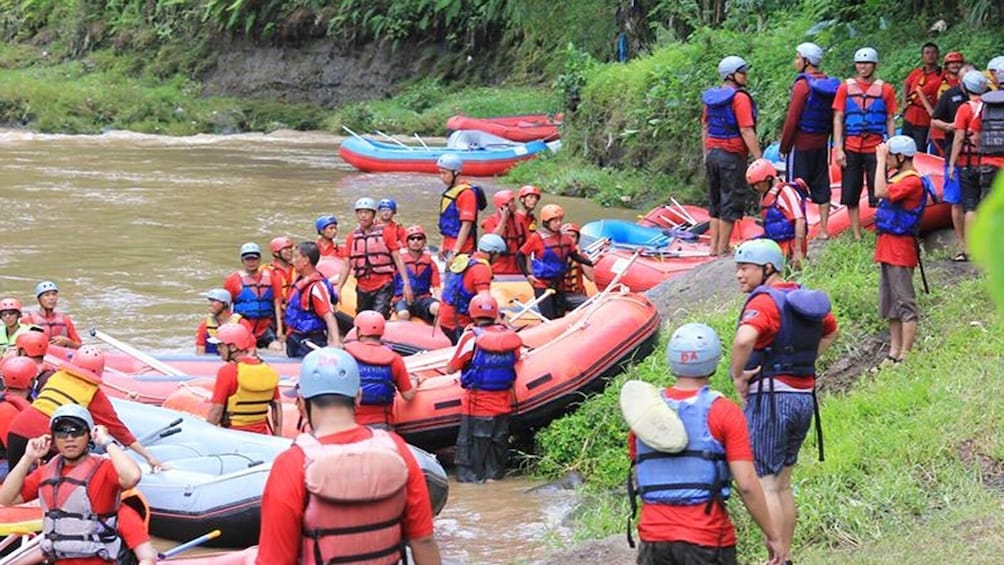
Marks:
<point>918,133</point>
<point>859,165</point>
<point>727,188</point>
<point>683,553</point>
<point>420,307</point>
<point>813,167</point>
<point>975,183</point>
<point>377,300</point>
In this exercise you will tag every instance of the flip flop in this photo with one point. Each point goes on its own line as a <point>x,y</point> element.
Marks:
<point>961,258</point>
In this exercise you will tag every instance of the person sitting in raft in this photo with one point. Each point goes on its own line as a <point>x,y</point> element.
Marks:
<point>75,383</point>
<point>386,210</point>
<point>381,370</point>
<point>782,209</point>
<point>219,313</point>
<point>11,325</point>
<point>486,356</point>
<point>550,251</point>
<point>79,492</point>
<point>18,374</point>
<point>684,518</point>
<point>34,346</point>
<point>246,388</point>
<point>58,327</point>
<point>253,295</point>
<point>424,277</point>
<point>317,507</point>
<point>310,312</point>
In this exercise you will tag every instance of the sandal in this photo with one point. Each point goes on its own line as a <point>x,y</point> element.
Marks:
<point>961,258</point>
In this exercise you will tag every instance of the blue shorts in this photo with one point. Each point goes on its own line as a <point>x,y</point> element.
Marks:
<point>953,190</point>
<point>776,434</point>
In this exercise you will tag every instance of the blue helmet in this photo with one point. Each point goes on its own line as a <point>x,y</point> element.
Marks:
<point>450,162</point>
<point>324,221</point>
<point>329,370</point>
<point>694,351</point>
<point>387,203</point>
<point>45,286</point>
<point>761,251</point>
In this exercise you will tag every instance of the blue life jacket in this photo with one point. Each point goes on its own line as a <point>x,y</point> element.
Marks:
<point>892,218</point>
<point>817,114</point>
<point>864,111</point>
<point>795,347</point>
<point>376,374</point>
<point>256,300</point>
<point>699,473</point>
<point>493,366</point>
<point>722,121</point>
<point>554,261</point>
<point>300,316</point>
<point>449,214</point>
<point>454,292</point>
<point>776,225</point>
<point>419,275</point>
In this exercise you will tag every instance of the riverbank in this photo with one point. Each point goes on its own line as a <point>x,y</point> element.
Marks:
<point>913,452</point>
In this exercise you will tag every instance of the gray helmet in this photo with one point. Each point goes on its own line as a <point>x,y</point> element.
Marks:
<point>731,65</point>
<point>450,162</point>
<point>810,52</point>
<point>694,351</point>
<point>45,286</point>
<point>250,248</point>
<point>866,55</point>
<point>996,64</point>
<point>219,295</point>
<point>491,243</point>
<point>72,412</point>
<point>974,82</point>
<point>902,145</point>
<point>366,203</point>
<point>761,251</point>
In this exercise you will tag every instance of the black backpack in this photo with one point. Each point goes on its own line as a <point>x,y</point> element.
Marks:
<point>992,118</point>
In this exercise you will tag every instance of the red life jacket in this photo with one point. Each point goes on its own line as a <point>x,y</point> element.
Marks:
<point>54,326</point>
<point>356,499</point>
<point>370,254</point>
<point>70,526</point>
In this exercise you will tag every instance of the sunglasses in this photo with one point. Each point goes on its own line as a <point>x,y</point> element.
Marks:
<point>416,238</point>
<point>9,313</point>
<point>69,432</point>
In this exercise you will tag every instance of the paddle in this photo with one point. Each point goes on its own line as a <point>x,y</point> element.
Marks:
<point>136,353</point>
<point>683,211</point>
<point>188,545</point>
<point>357,136</point>
<point>395,140</point>
<point>526,309</point>
<point>159,433</point>
<point>419,138</point>
<point>529,305</point>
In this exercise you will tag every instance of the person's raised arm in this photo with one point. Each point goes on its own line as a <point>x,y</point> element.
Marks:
<point>127,470</point>
<point>10,491</point>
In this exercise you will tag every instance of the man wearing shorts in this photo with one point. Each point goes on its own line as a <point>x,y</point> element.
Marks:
<point>863,112</point>
<point>728,135</point>
<point>424,277</point>
<point>782,330</point>
<point>943,120</point>
<point>807,129</point>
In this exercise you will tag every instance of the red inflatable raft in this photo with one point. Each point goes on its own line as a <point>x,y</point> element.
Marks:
<point>527,127</point>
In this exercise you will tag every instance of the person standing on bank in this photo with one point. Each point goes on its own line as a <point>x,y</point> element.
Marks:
<point>864,111</point>
<point>486,357</point>
<point>318,507</point>
<point>310,312</point>
<point>783,328</point>
<point>897,220</point>
<point>807,128</point>
<point>920,94</point>
<point>728,134</point>
<point>943,121</point>
<point>684,518</point>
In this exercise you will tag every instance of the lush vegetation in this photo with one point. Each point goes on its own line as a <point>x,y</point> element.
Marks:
<point>899,444</point>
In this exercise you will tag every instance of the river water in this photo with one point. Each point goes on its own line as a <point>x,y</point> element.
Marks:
<point>135,228</point>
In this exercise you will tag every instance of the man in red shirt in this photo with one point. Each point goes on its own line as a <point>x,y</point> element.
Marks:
<point>896,250</point>
<point>864,111</point>
<point>253,296</point>
<point>467,277</point>
<point>327,231</point>
<point>218,313</point>
<point>246,389</point>
<point>58,326</point>
<point>728,134</point>
<point>920,93</point>
<point>458,208</point>
<point>544,260</point>
<point>783,328</point>
<point>382,372</point>
<point>283,276</point>
<point>18,374</point>
<point>423,273</point>
<point>486,355</point>
<point>680,522</point>
<point>386,210</point>
<point>505,223</point>
<point>310,312</point>
<point>329,456</point>
<point>807,128</point>
<point>529,197</point>
<point>101,481</point>
<point>782,208</point>
<point>374,258</point>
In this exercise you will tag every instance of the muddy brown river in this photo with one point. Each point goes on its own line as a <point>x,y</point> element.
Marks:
<point>135,228</point>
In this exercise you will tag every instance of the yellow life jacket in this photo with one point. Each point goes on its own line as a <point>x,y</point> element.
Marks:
<point>255,390</point>
<point>62,388</point>
<point>212,325</point>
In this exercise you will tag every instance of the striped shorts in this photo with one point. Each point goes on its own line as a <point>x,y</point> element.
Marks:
<point>777,433</point>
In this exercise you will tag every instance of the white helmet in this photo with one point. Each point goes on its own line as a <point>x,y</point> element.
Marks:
<point>866,55</point>
<point>810,52</point>
<point>491,243</point>
<point>366,203</point>
<point>250,248</point>
<point>974,82</point>
<point>902,145</point>
<point>996,64</point>
<point>450,162</point>
<point>731,65</point>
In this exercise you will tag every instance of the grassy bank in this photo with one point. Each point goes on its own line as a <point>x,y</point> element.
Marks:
<point>900,445</point>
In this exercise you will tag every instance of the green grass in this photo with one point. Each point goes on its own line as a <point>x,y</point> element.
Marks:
<point>892,471</point>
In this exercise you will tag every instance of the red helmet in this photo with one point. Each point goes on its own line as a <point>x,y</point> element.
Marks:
<point>414,230</point>
<point>759,171</point>
<point>18,372</point>
<point>91,359</point>
<point>10,304</point>
<point>235,335</point>
<point>954,57</point>
<point>550,212</point>
<point>34,344</point>
<point>570,228</point>
<point>280,243</point>
<point>503,197</point>
<point>369,323</point>
<point>528,190</point>
<point>483,305</point>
